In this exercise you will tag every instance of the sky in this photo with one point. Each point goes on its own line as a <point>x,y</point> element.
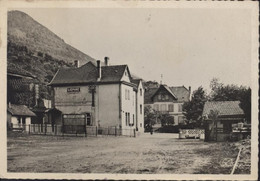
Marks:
<point>187,46</point>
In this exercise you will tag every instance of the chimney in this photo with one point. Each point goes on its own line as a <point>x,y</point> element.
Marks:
<point>76,63</point>
<point>106,60</point>
<point>99,69</point>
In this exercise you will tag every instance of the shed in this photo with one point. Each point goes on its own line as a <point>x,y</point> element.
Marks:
<point>18,116</point>
<point>227,113</point>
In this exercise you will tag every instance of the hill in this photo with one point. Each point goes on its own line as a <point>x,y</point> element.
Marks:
<point>25,31</point>
<point>35,49</point>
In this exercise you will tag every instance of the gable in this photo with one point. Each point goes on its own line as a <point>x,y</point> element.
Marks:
<point>163,93</point>
<point>126,75</point>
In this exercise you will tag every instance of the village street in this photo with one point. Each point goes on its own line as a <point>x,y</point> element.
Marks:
<point>108,154</point>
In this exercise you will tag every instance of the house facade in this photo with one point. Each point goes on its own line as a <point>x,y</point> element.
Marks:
<point>19,117</point>
<point>96,95</point>
<point>227,114</point>
<point>170,100</point>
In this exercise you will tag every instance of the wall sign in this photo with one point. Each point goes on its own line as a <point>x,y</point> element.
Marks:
<point>73,90</point>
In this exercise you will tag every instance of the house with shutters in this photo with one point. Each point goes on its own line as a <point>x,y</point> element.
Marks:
<point>168,100</point>
<point>98,95</point>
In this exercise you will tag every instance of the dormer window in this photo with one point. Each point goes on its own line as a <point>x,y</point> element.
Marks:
<point>141,93</point>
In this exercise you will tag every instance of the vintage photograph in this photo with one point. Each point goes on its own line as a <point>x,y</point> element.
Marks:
<point>147,90</point>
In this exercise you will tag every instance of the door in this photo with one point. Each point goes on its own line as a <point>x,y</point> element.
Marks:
<point>88,119</point>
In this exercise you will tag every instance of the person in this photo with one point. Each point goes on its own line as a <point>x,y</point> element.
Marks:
<point>151,130</point>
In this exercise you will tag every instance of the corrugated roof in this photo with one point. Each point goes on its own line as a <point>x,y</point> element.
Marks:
<point>88,73</point>
<point>20,110</point>
<point>225,108</point>
<point>180,92</point>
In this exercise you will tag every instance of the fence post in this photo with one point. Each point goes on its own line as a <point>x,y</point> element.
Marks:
<point>96,131</point>
<point>55,129</point>
<point>134,133</point>
<point>45,129</point>
<point>29,128</point>
<point>115,130</point>
<point>107,130</point>
<point>85,131</point>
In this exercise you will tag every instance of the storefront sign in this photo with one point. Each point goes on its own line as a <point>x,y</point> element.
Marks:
<point>73,90</point>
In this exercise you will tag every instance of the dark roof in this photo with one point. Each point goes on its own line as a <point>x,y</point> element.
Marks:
<point>88,73</point>
<point>166,88</point>
<point>148,95</point>
<point>18,71</point>
<point>180,92</point>
<point>20,110</point>
<point>136,81</point>
<point>224,108</point>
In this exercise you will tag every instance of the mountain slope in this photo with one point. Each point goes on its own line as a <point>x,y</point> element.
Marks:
<point>25,31</point>
<point>38,51</point>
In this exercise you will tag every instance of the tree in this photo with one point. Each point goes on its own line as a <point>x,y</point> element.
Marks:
<point>193,109</point>
<point>221,92</point>
<point>166,119</point>
<point>213,115</point>
<point>149,117</point>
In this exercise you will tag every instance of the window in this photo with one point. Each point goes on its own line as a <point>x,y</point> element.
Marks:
<point>166,97</point>
<point>141,108</point>
<point>159,97</point>
<point>140,124</point>
<point>171,108</point>
<point>128,94</point>
<point>180,120</point>
<point>163,107</point>
<point>125,94</point>
<point>141,92</point>
<point>156,107</point>
<point>163,97</point>
<point>126,119</point>
<point>227,127</point>
<point>180,107</point>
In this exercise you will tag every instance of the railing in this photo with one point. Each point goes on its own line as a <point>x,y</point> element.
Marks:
<point>77,130</point>
<point>190,133</point>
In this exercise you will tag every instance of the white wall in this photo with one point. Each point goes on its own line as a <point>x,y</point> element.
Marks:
<point>140,101</point>
<point>128,105</point>
<point>108,101</point>
<point>73,103</point>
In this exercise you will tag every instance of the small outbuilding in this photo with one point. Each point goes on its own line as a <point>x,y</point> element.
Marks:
<point>220,117</point>
<point>18,116</point>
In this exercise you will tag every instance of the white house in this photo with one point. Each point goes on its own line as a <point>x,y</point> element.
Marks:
<point>103,96</point>
<point>18,116</point>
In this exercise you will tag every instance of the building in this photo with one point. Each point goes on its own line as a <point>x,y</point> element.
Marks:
<point>96,95</point>
<point>19,117</point>
<point>227,113</point>
<point>168,100</point>
<point>20,86</point>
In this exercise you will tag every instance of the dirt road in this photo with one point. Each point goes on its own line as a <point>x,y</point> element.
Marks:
<point>144,154</point>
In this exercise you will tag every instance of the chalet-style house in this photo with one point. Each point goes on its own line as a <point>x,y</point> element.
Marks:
<point>168,100</point>
<point>96,95</point>
<point>219,117</point>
